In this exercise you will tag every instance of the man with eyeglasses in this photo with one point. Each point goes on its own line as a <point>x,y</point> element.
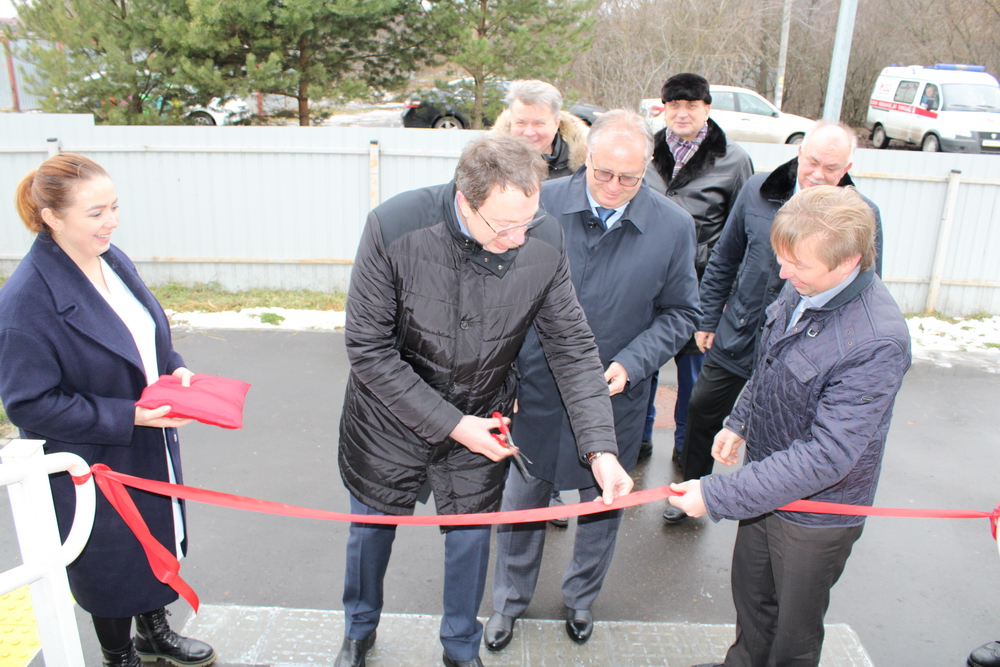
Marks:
<point>701,170</point>
<point>743,278</point>
<point>447,282</point>
<point>631,254</point>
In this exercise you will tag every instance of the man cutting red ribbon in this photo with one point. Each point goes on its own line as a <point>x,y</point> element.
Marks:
<point>815,417</point>
<point>447,282</point>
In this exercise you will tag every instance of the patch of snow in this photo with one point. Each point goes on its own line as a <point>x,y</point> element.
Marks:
<point>250,318</point>
<point>964,343</point>
<point>965,335</point>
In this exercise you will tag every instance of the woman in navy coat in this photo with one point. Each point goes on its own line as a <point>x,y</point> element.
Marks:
<point>80,337</point>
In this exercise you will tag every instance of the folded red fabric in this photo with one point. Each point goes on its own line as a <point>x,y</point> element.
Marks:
<point>210,399</point>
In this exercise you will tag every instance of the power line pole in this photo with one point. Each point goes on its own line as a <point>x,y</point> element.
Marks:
<point>839,60</point>
<point>786,23</point>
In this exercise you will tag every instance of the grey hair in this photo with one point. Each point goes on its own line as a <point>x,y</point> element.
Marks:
<point>624,122</point>
<point>532,92</point>
<point>821,127</point>
<point>498,160</point>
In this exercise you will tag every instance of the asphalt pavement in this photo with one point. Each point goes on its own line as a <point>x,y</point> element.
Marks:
<point>916,592</point>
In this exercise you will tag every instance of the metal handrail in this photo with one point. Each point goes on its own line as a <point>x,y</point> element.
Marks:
<point>83,517</point>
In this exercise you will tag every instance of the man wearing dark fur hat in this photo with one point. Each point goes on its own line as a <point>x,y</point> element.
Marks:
<point>696,166</point>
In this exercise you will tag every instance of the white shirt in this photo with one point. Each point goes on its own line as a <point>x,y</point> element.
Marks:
<point>143,329</point>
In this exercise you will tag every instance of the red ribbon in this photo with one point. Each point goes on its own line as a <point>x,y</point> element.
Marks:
<point>165,566</point>
<point>163,563</point>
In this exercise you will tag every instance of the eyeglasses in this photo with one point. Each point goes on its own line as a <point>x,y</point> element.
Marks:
<point>605,176</point>
<point>508,231</point>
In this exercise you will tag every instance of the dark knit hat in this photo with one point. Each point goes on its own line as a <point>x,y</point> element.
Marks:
<point>686,86</point>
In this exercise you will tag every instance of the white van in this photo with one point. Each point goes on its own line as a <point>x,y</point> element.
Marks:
<point>953,108</point>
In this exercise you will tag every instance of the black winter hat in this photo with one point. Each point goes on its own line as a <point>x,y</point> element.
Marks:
<point>686,86</point>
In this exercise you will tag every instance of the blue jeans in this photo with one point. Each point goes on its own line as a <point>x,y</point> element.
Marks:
<point>466,555</point>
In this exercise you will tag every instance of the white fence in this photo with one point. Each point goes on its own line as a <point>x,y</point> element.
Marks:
<point>283,207</point>
<point>25,470</point>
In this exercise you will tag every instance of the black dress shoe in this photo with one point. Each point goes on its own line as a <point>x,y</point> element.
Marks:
<point>498,631</point>
<point>645,449</point>
<point>353,651</point>
<point>674,514</point>
<point>579,624</point>
<point>987,655</point>
<point>448,662</point>
<point>711,664</point>
<point>557,501</point>
<point>676,458</point>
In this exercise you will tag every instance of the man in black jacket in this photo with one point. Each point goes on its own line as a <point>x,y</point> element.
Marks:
<point>741,281</point>
<point>698,168</point>
<point>446,283</point>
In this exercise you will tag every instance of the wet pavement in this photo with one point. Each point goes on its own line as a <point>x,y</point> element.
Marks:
<point>916,592</point>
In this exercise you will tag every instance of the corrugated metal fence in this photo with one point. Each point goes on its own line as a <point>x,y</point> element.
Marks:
<point>14,73</point>
<point>284,206</point>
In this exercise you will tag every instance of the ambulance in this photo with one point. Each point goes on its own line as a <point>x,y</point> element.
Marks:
<point>954,108</point>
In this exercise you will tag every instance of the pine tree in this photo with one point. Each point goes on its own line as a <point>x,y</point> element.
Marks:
<point>513,39</point>
<point>145,61</point>
<point>104,57</point>
<point>307,49</point>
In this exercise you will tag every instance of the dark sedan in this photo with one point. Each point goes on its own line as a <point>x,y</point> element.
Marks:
<point>450,106</point>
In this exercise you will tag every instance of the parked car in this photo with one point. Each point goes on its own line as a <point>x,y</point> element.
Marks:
<point>946,107</point>
<point>450,106</point>
<point>233,112</point>
<point>743,115</point>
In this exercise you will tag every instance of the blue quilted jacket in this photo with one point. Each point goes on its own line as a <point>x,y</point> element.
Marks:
<point>816,411</point>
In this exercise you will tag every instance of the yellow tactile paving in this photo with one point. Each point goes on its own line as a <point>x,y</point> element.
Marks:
<point>19,640</point>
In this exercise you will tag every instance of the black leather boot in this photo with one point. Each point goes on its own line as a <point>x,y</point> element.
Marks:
<point>154,640</point>
<point>123,657</point>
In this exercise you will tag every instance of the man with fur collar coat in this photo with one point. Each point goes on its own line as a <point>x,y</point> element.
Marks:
<point>702,171</point>
<point>534,113</point>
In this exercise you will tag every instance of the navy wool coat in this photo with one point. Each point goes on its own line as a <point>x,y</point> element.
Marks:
<point>639,290</point>
<point>70,374</point>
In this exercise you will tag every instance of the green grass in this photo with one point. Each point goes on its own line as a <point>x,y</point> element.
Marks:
<point>212,298</point>
<point>271,318</point>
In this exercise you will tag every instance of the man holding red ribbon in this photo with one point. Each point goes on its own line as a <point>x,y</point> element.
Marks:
<point>631,252</point>
<point>447,282</point>
<point>815,417</point>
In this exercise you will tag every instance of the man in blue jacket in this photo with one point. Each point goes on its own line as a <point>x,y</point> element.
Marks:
<point>742,280</point>
<point>631,257</point>
<point>815,417</point>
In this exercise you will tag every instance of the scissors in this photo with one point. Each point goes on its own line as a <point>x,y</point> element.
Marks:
<point>519,459</point>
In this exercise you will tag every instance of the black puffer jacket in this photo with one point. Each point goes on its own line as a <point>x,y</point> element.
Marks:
<point>434,324</point>
<point>742,278</point>
<point>816,412</point>
<point>706,187</point>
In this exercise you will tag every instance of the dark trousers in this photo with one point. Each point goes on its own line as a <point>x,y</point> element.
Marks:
<point>520,545</point>
<point>712,399</point>
<point>466,555</point>
<point>688,367</point>
<point>782,576</point>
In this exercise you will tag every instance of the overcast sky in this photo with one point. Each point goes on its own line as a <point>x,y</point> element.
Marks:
<point>6,9</point>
